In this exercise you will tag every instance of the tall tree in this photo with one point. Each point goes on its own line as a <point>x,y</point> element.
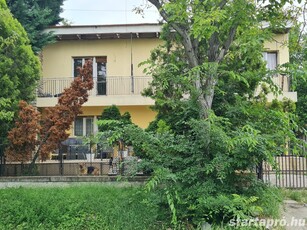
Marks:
<point>35,16</point>
<point>19,68</point>
<point>210,64</point>
<point>298,67</point>
<point>207,29</point>
<point>51,128</point>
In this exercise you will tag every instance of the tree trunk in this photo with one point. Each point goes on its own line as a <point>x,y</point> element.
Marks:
<point>211,81</point>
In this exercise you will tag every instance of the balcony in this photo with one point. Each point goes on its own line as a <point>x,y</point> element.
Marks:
<point>118,90</point>
<point>124,91</point>
<point>284,83</point>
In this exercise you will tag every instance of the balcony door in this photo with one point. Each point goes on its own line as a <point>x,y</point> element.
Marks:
<point>99,72</point>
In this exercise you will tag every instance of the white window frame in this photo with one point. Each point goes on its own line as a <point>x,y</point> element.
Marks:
<point>94,73</point>
<point>95,127</point>
<point>266,58</point>
<point>83,62</point>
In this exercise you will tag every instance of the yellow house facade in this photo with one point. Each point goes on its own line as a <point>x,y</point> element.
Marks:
<point>116,51</point>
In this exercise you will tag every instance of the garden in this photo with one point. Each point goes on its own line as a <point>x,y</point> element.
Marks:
<point>214,126</point>
<point>116,206</point>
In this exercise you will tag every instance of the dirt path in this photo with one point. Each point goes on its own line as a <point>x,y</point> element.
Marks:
<point>295,215</point>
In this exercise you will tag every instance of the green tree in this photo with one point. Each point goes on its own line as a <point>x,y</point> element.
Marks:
<point>19,68</point>
<point>35,16</point>
<point>211,128</point>
<point>111,119</point>
<point>298,73</point>
<point>207,31</point>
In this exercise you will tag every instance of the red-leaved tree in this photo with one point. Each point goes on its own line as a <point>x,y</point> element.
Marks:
<point>35,135</point>
<point>23,138</point>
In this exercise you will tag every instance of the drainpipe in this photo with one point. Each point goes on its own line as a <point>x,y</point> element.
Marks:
<point>131,65</point>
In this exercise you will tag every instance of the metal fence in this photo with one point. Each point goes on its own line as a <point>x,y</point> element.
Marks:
<point>62,167</point>
<point>54,168</point>
<point>2,158</point>
<point>73,158</point>
<point>76,168</point>
<point>290,171</point>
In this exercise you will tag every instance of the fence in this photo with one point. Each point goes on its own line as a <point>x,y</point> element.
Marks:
<point>55,168</point>
<point>72,168</point>
<point>2,158</point>
<point>290,172</point>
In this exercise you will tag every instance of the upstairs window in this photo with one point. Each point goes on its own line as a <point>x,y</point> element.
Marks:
<point>99,71</point>
<point>99,65</point>
<point>271,60</point>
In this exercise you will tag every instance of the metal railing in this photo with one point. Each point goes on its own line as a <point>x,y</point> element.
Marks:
<point>115,85</point>
<point>291,172</point>
<point>283,82</point>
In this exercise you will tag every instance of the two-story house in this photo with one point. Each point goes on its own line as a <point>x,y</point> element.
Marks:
<point>116,51</point>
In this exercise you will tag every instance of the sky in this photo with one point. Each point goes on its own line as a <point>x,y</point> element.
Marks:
<point>97,12</point>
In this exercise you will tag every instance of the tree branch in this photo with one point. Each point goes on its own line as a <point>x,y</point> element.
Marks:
<point>222,3</point>
<point>189,44</point>
<point>227,43</point>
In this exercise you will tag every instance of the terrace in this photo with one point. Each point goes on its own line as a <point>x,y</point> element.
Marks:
<point>119,90</point>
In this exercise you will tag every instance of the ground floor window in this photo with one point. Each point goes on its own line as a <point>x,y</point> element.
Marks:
<point>84,126</point>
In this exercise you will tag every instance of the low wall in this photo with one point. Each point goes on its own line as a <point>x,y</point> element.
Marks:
<point>72,179</point>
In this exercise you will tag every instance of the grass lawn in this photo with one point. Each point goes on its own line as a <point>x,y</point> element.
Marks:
<point>76,207</point>
<point>297,195</point>
<point>97,206</point>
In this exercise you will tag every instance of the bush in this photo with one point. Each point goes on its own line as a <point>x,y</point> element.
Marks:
<point>77,207</point>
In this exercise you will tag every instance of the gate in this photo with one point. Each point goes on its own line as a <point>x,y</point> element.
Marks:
<point>290,172</point>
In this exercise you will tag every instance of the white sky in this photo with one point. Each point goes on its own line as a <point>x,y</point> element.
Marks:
<point>97,12</point>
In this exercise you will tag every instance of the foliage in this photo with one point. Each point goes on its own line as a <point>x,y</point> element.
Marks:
<point>24,136</point>
<point>111,118</point>
<point>194,170</point>
<point>212,130</point>
<point>76,207</point>
<point>297,195</point>
<point>110,126</point>
<point>200,43</point>
<point>19,69</point>
<point>297,70</point>
<point>35,16</point>
<point>52,128</point>
<point>111,113</point>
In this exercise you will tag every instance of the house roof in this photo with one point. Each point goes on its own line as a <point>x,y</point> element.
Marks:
<point>94,32</point>
<point>120,31</point>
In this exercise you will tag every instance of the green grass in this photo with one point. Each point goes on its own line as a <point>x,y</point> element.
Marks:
<point>91,206</point>
<point>76,207</point>
<point>297,195</point>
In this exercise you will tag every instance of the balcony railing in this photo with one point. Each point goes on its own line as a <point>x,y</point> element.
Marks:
<point>283,82</point>
<point>54,87</point>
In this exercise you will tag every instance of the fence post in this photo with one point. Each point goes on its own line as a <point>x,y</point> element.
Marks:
<point>61,160</point>
<point>259,170</point>
<point>2,159</point>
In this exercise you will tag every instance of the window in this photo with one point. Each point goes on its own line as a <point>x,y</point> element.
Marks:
<point>271,60</point>
<point>99,71</point>
<point>84,126</point>
<point>79,126</point>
